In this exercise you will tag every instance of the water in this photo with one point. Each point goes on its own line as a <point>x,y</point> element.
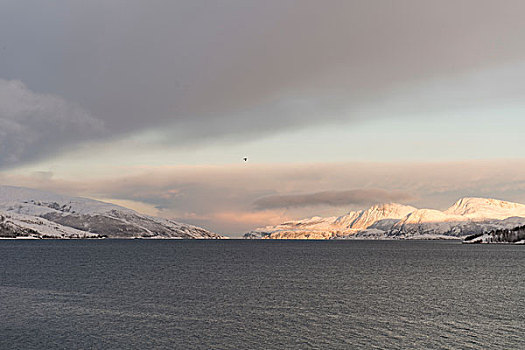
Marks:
<point>142,294</point>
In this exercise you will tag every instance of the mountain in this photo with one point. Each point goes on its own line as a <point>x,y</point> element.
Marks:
<point>27,212</point>
<point>363,219</point>
<point>375,218</point>
<point>466,217</point>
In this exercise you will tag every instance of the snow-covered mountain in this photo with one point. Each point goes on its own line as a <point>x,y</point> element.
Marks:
<point>482,208</point>
<point>466,217</point>
<point>375,218</point>
<point>27,212</point>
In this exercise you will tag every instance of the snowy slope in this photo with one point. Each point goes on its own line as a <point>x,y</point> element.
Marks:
<point>312,228</point>
<point>18,225</point>
<point>55,215</point>
<point>37,203</point>
<point>390,221</point>
<point>428,221</point>
<point>333,227</point>
<point>365,218</point>
<point>483,208</point>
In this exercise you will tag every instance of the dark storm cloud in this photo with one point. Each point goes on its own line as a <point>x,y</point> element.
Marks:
<point>332,198</point>
<point>32,125</point>
<point>201,70</point>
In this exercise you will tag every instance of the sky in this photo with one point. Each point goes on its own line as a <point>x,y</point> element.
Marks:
<point>337,104</point>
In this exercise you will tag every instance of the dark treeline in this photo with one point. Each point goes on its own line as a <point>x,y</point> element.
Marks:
<point>508,235</point>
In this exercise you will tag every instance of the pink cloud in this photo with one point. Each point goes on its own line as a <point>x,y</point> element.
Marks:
<point>221,198</point>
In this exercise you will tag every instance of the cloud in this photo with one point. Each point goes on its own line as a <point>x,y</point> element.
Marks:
<point>332,198</point>
<point>33,124</point>
<point>221,198</point>
<point>234,222</point>
<point>229,70</point>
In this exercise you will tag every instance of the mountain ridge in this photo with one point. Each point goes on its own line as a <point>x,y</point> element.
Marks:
<point>27,212</point>
<point>467,216</point>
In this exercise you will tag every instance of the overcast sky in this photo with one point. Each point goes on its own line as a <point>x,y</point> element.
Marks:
<point>336,104</point>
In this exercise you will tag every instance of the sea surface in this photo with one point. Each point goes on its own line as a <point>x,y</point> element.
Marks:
<point>235,294</point>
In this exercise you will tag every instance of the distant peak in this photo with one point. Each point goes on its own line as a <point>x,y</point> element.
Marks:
<point>485,207</point>
<point>477,201</point>
<point>365,218</point>
<point>383,208</point>
<point>388,206</point>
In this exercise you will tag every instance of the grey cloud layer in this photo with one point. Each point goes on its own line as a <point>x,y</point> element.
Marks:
<point>32,124</point>
<point>332,198</point>
<point>201,70</point>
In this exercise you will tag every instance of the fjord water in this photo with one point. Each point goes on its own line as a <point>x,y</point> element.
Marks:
<point>147,294</point>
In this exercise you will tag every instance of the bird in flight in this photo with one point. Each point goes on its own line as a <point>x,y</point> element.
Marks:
<point>245,159</point>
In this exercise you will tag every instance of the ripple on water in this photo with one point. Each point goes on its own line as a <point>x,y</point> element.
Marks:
<point>260,295</point>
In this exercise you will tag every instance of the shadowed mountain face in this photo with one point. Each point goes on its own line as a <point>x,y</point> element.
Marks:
<point>31,213</point>
<point>466,217</point>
